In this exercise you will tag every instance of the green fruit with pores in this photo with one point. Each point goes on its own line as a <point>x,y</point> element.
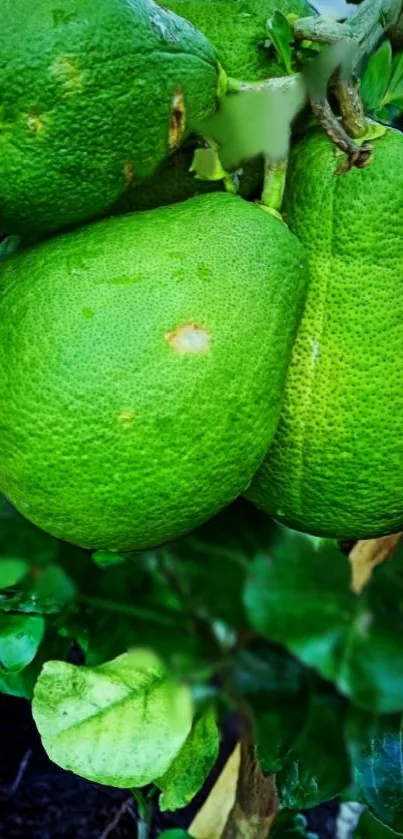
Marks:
<point>335,467</point>
<point>142,365</point>
<point>237,28</point>
<point>94,95</point>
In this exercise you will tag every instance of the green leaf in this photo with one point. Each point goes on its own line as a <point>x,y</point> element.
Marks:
<point>207,165</point>
<point>104,559</point>
<point>275,687</point>
<point>47,591</point>
<point>19,684</point>
<point>20,637</point>
<point>8,246</point>
<point>281,35</point>
<point>297,723</point>
<point>384,114</point>
<point>212,562</point>
<point>132,604</point>
<point>119,724</point>
<point>22,683</point>
<point>298,594</point>
<point>317,768</point>
<point>370,828</point>
<point>190,768</point>
<point>376,751</point>
<point>174,833</point>
<point>376,77</point>
<point>12,571</point>
<point>394,93</point>
<point>291,826</point>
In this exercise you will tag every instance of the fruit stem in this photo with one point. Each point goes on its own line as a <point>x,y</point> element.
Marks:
<point>351,107</point>
<point>284,84</point>
<point>274,184</point>
<point>353,39</point>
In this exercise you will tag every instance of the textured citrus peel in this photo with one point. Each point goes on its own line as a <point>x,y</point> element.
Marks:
<point>35,123</point>
<point>126,418</point>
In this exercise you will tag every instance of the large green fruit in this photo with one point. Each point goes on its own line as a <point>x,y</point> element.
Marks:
<point>142,364</point>
<point>238,30</point>
<point>94,95</point>
<point>336,465</point>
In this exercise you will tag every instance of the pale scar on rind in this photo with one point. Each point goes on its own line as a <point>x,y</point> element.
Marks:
<point>35,123</point>
<point>177,123</point>
<point>189,338</point>
<point>126,418</point>
<point>128,172</point>
<point>67,70</point>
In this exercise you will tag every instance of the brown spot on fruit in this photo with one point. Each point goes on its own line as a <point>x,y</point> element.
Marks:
<point>126,418</point>
<point>177,123</point>
<point>189,338</point>
<point>128,172</point>
<point>67,70</point>
<point>35,123</point>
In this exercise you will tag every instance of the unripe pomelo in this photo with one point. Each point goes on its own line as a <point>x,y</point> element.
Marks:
<point>238,30</point>
<point>142,365</point>
<point>94,95</point>
<point>336,465</point>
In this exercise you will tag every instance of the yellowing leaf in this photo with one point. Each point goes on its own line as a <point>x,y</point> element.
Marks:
<point>121,723</point>
<point>211,820</point>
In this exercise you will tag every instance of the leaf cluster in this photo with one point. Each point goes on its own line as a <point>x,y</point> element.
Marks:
<point>135,661</point>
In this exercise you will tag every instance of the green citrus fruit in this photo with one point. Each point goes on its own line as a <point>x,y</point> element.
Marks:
<point>239,32</point>
<point>142,363</point>
<point>238,29</point>
<point>94,96</point>
<point>335,467</point>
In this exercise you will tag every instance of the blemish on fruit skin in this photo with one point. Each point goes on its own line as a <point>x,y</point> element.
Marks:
<point>126,418</point>
<point>177,123</point>
<point>189,338</point>
<point>67,71</point>
<point>88,313</point>
<point>35,123</point>
<point>128,172</point>
<point>315,351</point>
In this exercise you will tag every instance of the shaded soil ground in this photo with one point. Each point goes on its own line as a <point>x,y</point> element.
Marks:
<point>40,801</point>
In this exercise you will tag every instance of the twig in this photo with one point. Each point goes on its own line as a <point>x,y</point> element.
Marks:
<point>19,776</point>
<point>125,808</point>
